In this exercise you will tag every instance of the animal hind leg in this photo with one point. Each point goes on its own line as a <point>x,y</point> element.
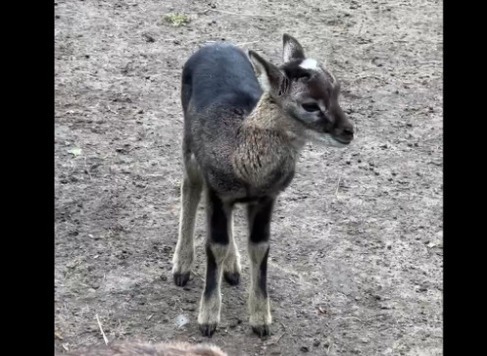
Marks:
<point>191,188</point>
<point>232,268</point>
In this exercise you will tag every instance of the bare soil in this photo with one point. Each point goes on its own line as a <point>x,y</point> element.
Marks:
<point>357,253</point>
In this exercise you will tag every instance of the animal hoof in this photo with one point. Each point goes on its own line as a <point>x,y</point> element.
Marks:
<point>180,279</point>
<point>261,330</point>
<point>207,329</point>
<point>232,278</point>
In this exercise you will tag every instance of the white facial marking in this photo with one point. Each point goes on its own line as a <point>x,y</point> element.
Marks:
<point>310,63</point>
<point>313,64</point>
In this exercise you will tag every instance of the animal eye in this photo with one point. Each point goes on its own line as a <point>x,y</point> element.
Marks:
<point>311,107</point>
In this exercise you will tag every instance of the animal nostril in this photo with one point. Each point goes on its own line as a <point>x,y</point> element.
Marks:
<point>348,131</point>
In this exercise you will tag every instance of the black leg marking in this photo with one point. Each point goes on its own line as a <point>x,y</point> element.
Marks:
<point>218,235</point>
<point>211,273</point>
<point>217,220</point>
<point>217,247</point>
<point>259,215</point>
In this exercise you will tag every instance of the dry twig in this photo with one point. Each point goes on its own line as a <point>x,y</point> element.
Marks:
<point>101,329</point>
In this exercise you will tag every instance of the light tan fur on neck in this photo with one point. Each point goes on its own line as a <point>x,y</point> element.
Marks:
<point>269,140</point>
<point>267,115</point>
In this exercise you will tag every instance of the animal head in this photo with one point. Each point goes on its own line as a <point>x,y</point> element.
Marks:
<point>306,92</point>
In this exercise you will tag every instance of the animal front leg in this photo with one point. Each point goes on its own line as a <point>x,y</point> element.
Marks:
<point>217,247</point>
<point>259,221</point>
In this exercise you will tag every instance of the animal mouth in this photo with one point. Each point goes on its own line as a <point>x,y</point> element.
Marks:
<point>342,141</point>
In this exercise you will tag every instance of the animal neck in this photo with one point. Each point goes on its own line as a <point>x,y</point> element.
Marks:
<point>269,116</point>
<point>268,145</point>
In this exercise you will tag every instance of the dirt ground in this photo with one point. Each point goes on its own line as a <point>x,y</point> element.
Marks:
<point>357,245</point>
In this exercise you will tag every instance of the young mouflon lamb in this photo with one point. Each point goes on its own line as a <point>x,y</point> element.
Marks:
<point>245,123</point>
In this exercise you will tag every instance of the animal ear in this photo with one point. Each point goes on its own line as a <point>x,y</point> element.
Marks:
<point>269,76</point>
<point>292,50</point>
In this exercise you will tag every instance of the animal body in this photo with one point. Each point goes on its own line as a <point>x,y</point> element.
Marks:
<point>245,123</point>
<point>146,349</point>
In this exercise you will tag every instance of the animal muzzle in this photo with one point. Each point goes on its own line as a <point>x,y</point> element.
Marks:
<point>343,134</point>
